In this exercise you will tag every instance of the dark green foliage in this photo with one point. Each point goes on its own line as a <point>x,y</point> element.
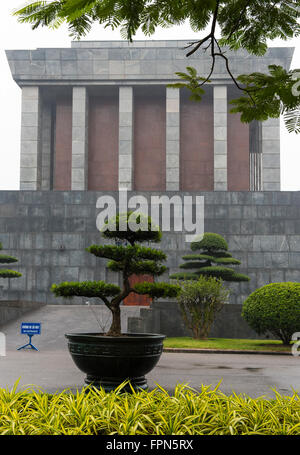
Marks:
<point>211,260</point>
<point>118,228</point>
<point>195,257</point>
<point>199,301</point>
<point>274,308</point>
<point>137,267</point>
<point>210,242</point>
<point>85,289</point>
<point>119,253</point>
<point>5,259</point>
<point>242,24</point>
<point>226,273</point>
<point>156,290</point>
<point>272,95</point>
<point>184,276</point>
<point>132,259</point>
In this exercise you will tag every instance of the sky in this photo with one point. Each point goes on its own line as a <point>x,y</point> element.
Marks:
<point>14,35</point>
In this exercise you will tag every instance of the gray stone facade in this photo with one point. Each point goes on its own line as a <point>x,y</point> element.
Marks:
<point>48,231</point>
<point>127,65</point>
<point>228,322</point>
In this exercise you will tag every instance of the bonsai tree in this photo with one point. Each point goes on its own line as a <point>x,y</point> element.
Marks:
<point>211,260</point>
<point>274,308</point>
<point>128,257</point>
<point>5,259</point>
<point>199,301</point>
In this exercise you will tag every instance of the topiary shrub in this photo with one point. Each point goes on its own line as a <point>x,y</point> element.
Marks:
<point>5,259</point>
<point>199,301</point>
<point>129,257</point>
<point>274,308</point>
<point>212,260</point>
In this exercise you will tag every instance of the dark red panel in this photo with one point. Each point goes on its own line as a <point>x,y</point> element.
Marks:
<point>135,299</point>
<point>103,162</point>
<point>196,143</point>
<point>238,150</point>
<point>62,176</point>
<point>150,140</point>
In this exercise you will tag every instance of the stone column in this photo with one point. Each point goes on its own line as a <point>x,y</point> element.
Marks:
<point>172,139</point>
<point>270,144</point>
<point>126,138</point>
<point>46,172</point>
<point>80,139</point>
<point>30,139</point>
<point>255,157</point>
<point>220,138</point>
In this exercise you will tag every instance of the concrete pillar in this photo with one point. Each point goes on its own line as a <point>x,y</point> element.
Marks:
<point>172,139</point>
<point>220,138</point>
<point>46,172</point>
<point>126,138</point>
<point>270,145</point>
<point>80,139</point>
<point>255,155</point>
<point>30,165</point>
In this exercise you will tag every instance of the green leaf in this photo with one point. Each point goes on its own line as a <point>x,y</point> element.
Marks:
<point>4,273</point>
<point>85,289</point>
<point>157,290</point>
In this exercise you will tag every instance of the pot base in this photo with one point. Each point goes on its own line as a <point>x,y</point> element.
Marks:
<point>110,384</point>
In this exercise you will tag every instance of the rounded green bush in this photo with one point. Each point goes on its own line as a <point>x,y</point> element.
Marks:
<point>274,308</point>
<point>210,242</point>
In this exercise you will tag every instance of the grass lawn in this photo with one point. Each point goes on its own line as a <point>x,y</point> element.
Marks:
<point>225,343</point>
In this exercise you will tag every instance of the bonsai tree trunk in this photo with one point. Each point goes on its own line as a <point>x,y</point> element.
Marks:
<point>115,328</point>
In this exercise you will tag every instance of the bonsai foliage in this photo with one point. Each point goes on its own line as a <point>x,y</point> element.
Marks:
<point>274,308</point>
<point>5,259</point>
<point>211,259</point>
<point>199,301</point>
<point>131,258</point>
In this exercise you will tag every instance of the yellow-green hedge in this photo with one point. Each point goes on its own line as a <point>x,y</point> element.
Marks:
<point>186,412</point>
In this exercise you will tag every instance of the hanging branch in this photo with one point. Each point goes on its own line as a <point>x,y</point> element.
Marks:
<point>213,41</point>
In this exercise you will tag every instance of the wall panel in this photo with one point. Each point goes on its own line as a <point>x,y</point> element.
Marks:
<point>238,158</point>
<point>196,143</point>
<point>150,139</point>
<point>103,160</point>
<point>63,144</point>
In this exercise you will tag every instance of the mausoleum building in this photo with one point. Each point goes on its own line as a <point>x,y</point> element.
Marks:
<point>99,116</point>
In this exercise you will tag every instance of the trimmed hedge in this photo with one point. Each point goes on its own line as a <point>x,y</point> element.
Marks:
<point>5,259</point>
<point>274,308</point>
<point>186,412</point>
<point>211,260</point>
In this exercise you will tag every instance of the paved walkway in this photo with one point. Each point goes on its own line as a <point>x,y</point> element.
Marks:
<point>52,369</point>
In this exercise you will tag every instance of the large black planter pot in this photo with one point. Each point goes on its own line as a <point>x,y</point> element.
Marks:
<point>109,361</point>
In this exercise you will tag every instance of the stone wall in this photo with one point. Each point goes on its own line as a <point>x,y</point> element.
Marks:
<point>228,322</point>
<point>11,310</point>
<point>49,230</point>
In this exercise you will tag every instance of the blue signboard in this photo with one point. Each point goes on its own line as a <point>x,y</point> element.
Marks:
<point>31,328</point>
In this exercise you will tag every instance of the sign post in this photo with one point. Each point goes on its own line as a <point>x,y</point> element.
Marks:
<point>30,329</point>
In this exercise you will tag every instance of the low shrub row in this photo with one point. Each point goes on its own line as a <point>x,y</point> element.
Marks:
<point>185,412</point>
